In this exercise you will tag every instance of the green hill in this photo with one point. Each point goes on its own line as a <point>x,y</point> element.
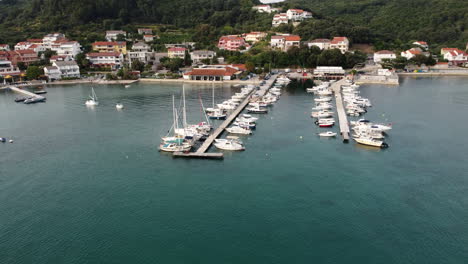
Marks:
<point>385,23</point>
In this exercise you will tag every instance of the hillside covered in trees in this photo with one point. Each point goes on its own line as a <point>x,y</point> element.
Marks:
<point>385,23</point>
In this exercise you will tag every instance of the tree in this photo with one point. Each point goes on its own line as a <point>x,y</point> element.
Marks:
<point>137,65</point>
<point>22,66</point>
<point>33,72</point>
<point>250,66</point>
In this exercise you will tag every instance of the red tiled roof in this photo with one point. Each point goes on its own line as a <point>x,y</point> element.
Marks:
<point>321,41</point>
<point>297,10</point>
<point>228,71</point>
<point>336,40</point>
<point>34,40</point>
<point>107,43</point>
<point>292,38</point>
<point>23,52</point>
<point>100,54</point>
<point>240,66</point>
<point>173,49</point>
<point>385,52</point>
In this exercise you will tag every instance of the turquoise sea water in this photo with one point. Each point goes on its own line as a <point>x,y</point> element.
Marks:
<point>89,186</point>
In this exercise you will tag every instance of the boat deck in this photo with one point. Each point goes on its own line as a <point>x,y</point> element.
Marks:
<point>201,153</point>
<point>342,118</point>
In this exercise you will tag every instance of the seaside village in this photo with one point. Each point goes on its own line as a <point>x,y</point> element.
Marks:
<point>121,57</point>
<point>56,55</point>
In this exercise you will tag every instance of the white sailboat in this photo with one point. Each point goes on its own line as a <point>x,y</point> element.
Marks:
<point>93,100</point>
<point>175,143</point>
<point>216,113</point>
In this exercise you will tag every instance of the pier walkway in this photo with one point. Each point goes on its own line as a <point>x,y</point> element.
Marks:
<point>342,118</point>
<point>201,153</point>
<point>24,92</point>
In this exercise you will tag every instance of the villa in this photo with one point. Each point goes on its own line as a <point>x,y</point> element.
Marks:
<point>232,43</point>
<point>176,52</point>
<point>285,42</point>
<point>379,56</point>
<point>112,35</point>
<point>108,46</point>
<point>112,60</point>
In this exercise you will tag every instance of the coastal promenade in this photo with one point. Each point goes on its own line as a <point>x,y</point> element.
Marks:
<point>230,82</point>
<point>342,118</point>
<point>202,150</point>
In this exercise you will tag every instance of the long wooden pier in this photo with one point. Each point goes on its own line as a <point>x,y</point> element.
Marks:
<point>342,118</point>
<point>24,92</point>
<point>201,153</point>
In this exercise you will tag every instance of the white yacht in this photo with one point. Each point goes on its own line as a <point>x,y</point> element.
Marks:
<point>239,130</point>
<point>229,143</point>
<point>323,99</point>
<point>327,134</point>
<point>371,142</point>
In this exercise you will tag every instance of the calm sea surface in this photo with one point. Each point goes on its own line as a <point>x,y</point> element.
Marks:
<point>86,185</point>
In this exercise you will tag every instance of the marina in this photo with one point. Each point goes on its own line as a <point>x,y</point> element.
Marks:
<point>342,118</point>
<point>202,153</point>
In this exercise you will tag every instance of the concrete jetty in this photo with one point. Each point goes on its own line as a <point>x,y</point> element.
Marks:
<point>342,118</point>
<point>201,153</point>
<point>24,92</point>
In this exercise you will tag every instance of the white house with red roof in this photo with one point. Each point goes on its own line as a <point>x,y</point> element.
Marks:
<point>322,44</point>
<point>7,68</point>
<point>411,53</point>
<point>148,38</point>
<point>455,56</point>
<point>111,35</point>
<point>298,14</point>
<point>218,72</point>
<point>66,47</point>
<point>176,52</point>
<point>4,47</point>
<point>379,56</point>
<point>285,42</point>
<point>254,36</point>
<point>23,45</point>
<point>422,44</point>
<point>49,39</point>
<point>265,9</point>
<point>112,60</point>
<point>37,48</point>
<point>341,43</point>
<point>279,19</point>
<point>232,43</point>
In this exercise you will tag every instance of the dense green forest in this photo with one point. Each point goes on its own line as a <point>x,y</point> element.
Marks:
<point>384,23</point>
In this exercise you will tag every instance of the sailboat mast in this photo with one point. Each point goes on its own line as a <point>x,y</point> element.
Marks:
<point>184,113</point>
<point>213,95</point>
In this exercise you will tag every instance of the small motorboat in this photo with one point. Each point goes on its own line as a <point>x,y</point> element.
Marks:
<point>40,91</point>
<point>245,124</point>
<point>33,100</point>
<point>230,143</point>
<point>3,140</point>
<point>20,99</point>
<point>174,147</point>
<point>239,130</point>
<point>326,124</point>
<point>327,134</point>
<point>218,114</point>
<point>127,86</point>
<point>370,142</point>
<point>257,110</point>
<point>119,106</point>
<point>323,99</point>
